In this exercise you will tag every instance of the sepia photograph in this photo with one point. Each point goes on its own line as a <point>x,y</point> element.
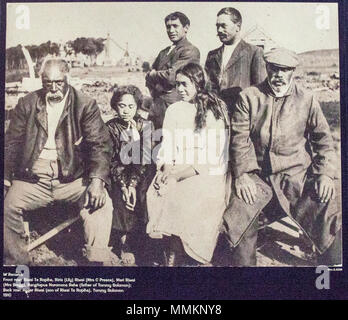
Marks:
<point>172,134</point>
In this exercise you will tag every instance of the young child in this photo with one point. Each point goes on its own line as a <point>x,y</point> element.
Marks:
<point>130,133</point>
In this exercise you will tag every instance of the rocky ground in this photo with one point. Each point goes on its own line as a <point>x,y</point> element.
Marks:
<point>279,245</point>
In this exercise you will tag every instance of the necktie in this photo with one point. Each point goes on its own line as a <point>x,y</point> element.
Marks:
<point>170,49</point>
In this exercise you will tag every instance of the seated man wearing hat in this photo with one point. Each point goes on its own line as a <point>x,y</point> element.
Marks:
<point>283,159</point>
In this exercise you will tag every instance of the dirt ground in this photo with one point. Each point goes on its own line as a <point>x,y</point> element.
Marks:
<point>289,248</point>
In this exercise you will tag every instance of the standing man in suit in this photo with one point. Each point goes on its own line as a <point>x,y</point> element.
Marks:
<point>235,65</point>
<point>161,78</point>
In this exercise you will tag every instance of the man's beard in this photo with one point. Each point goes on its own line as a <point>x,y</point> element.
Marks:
<point>279,84</point>
<point>54,97</point>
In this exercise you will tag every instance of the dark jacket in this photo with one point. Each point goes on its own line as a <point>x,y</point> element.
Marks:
<point>272,135</point>
<point>245,68</point>
<point>287,142</point>
<point>137,171</point>
<point>83,142</point>
<point>162,84</point>
<point>133,173</point>
<point>166,66</point>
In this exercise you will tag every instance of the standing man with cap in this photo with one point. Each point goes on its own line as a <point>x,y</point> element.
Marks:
<point>161,79</point>
<point>235,65</point>
<point>283,159</point>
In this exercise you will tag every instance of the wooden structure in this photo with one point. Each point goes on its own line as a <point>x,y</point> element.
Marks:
<point>258,36</point>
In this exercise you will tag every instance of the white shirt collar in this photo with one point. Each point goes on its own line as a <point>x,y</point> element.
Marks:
<point>228,51</point>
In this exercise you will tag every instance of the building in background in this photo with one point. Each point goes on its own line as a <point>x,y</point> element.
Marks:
<point>258,37</point>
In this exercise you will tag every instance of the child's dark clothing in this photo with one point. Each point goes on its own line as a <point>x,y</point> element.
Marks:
<point>129,169</point>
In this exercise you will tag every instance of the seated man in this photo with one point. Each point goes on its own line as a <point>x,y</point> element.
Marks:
<point>282,149</point>
<point>57,150</point>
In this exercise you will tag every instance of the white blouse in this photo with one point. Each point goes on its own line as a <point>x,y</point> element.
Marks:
<point>205,150</point>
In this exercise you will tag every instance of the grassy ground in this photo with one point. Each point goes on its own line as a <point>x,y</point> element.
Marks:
<point>16,75</point>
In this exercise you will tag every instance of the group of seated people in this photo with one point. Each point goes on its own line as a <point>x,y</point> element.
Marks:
<point>206,172</point>
<point>186,196</point>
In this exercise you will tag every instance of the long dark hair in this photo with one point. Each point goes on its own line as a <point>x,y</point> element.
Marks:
<point>204,99</point>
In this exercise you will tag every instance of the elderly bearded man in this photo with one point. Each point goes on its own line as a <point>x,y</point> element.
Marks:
<point>161,79</point>
<point>57,150</point>
<point>282,149</point>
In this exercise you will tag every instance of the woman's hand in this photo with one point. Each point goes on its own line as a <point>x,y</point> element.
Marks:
<point>129,196</point>
<point>125,194</point>
<point>157,182</point>
<point>171,180</point>
<point>167,169</point>
<point>162,176</point>
<point>132,193</point>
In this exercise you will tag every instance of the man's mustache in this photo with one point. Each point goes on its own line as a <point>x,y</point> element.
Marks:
<point>54,96</point>
<point>277,80</point>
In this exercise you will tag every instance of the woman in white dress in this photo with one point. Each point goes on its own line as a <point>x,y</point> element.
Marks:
<point>189,194</point>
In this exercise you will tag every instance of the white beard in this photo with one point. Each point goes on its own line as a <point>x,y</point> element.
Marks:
<point>280,91</point>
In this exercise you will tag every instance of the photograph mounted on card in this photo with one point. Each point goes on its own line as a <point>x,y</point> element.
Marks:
<point>113,129</point>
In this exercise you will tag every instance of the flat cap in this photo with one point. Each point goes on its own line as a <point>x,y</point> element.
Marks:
<point>282,57</point>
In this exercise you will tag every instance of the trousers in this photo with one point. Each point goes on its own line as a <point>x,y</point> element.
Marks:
<point>241,222</point>
<point>25,197</point>
<point>244,255</point>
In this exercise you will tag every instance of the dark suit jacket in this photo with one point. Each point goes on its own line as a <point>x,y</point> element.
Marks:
<point>83,142</point>
<point>166,66</point>
<point>245,68</point>
<point>162,84</point>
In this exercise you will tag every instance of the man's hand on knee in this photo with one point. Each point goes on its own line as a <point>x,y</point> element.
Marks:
<point>325,188</point>
<point>95,194</point>
<point>245,188</point>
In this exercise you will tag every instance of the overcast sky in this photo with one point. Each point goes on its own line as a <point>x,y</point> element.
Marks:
<point>292,25</point>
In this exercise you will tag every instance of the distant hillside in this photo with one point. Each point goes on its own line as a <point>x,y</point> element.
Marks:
<point>320,58</point>
<point>324,52</point>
